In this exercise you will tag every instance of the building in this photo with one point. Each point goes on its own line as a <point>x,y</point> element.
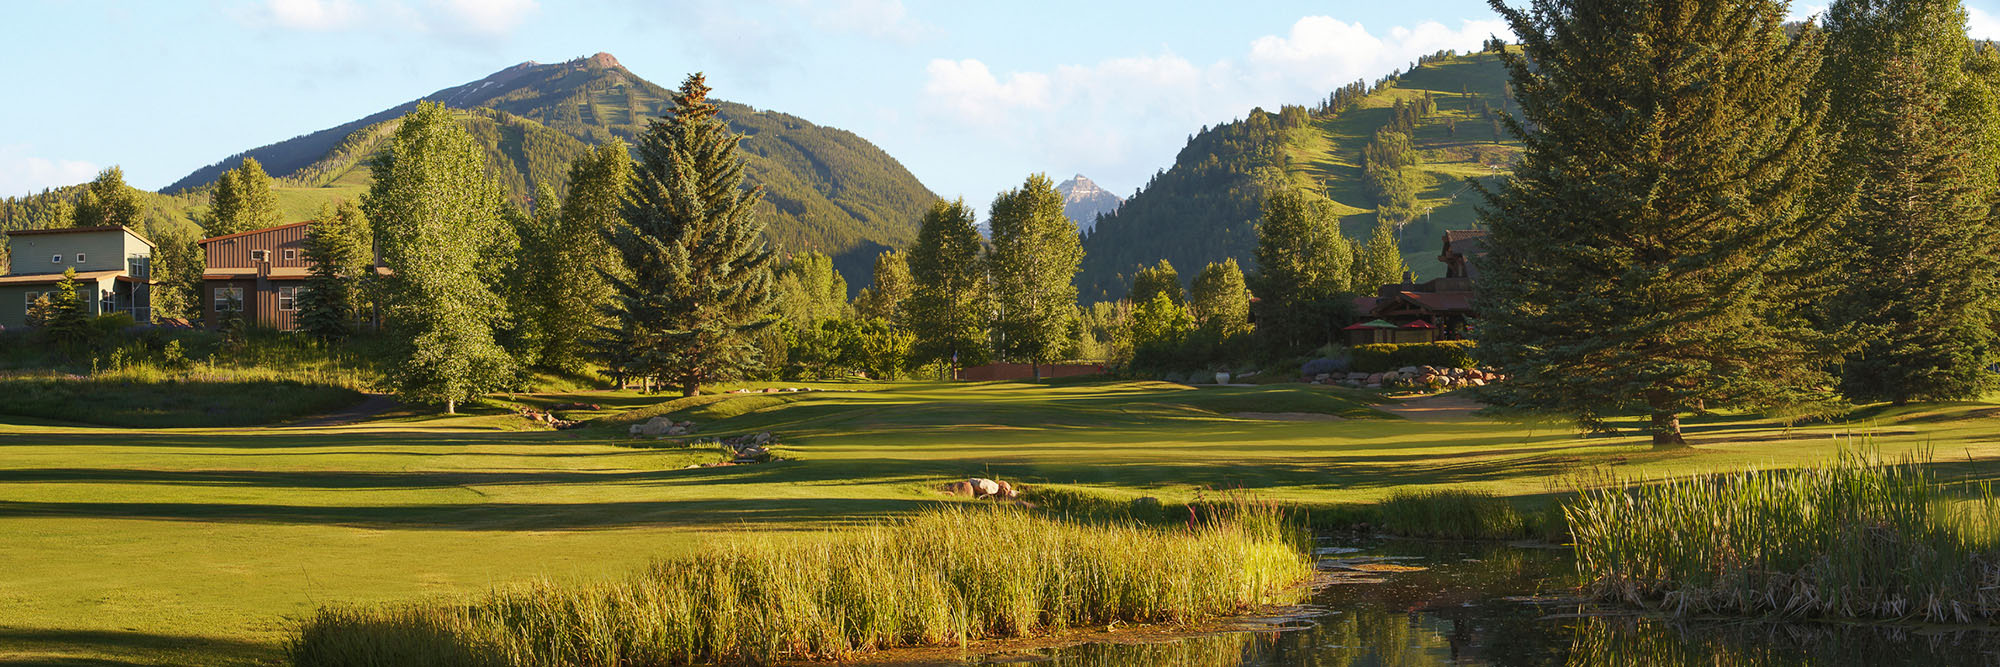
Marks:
<point>113,271</point>
<point>1440,309</point>
<point>257,274</point>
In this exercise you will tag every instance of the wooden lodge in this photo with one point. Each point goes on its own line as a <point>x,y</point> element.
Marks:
<point>257,274</point>
<point>1440,309</point>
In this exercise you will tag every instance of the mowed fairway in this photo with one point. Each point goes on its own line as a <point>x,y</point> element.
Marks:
<point>196,546</point>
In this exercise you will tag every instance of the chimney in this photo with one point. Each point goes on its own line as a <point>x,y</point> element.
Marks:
<point>1407,278</point>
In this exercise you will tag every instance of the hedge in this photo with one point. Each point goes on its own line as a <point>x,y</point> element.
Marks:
<point>1380,357</point>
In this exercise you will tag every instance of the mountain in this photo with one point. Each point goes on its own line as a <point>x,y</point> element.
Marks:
<point>1206,206</point>
<point>1083,201</point>
<point>825,189</point>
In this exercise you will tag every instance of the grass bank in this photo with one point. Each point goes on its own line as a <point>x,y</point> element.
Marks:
<point>940,577</point>
<point>1854,537</point>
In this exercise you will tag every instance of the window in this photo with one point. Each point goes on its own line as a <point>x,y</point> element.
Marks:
<point>33,297</point>
<point>260,255</point>
<point>228,299</point>
<point>57,260</point>
<point>291,254</point>
<point>288,298</point>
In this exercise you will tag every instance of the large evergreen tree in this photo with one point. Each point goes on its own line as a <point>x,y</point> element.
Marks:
<point>560,290</point>
<point>699,283</point>
<point>1919,272</point>
<point>243,200</point>
<point>337,246</point>
<point>1654,239</point>
<point>1304,267</point>
<point>437,215</point>
<point>66,319</point>
<point>1036,252</point>
<point>950,305</point>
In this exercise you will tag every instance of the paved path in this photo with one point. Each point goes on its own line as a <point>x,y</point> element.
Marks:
<point>373,405</point>
<point>1440,408</point>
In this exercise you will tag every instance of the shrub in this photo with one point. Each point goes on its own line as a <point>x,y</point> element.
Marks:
<point>1380,357</point>
<point>1323,365</point>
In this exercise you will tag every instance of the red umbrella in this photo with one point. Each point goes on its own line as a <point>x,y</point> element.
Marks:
<point>1418,324</point>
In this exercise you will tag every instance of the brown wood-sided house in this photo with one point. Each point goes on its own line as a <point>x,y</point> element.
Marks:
<point>258,273</point>
<point>1440,309</point>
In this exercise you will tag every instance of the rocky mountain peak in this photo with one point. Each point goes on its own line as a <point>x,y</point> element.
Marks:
<point>1083,201</point>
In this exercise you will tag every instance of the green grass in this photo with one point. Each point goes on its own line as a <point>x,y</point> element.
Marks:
<point>1856,537</point>
<point>205,545</point>
<point>941,577</point>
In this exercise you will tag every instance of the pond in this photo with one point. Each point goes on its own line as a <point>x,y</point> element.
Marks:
<point>1413,603</point>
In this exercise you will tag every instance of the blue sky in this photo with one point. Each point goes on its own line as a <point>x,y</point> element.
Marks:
<point>971,96</point>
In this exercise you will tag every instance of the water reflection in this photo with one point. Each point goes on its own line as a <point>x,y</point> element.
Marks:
<point>1489,605</point>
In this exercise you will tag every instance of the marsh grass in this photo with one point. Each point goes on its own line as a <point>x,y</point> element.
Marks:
<point>1855,537</point>
<point>1452,514</point>
<point>942,577</point>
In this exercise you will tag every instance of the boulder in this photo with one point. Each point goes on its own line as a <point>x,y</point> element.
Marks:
<point>1407,370</point>
<point>1357,376</point>
<point>960,488</point>
<point>1374,379</point>
<point>1322,378</point>
<point>762,437</point>
<point>1006,490</point>
<point>657,426</point>
<point>982,487</point>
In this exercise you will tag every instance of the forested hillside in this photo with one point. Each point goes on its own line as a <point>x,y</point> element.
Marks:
<point>826,189</point>
<point>1205,207</point>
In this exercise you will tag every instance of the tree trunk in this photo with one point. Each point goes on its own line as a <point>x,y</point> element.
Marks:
<point>1666,425</point>
<point>451,406</point>
<point>1037,367</point>
<point>690,389</point>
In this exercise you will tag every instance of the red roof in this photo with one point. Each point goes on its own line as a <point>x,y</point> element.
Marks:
<point>1418,324</point>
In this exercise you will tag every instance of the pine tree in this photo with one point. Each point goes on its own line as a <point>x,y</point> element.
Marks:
<point>1919,267</point>
<point>891,286</point>
<point>243,200</point>
<point>66,321</point>
<point>436,213</point>
<point>108,201</point>
<point>950,305</point>
<point>1379,262</point>
<point>1159,278</point>
<point>336,245</point>
<point>1304,267</point>
<point>1220,300</point>
<point>1650,248</point>
<point>1034,260</point>
<point>699,284</point>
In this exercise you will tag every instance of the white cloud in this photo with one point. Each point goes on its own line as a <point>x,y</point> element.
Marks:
<point>1981,25</point>
<point>881,19</point>
<point>21,173</point>
<point>312,14</point>
<point>486,17</point>
<point>1122,118</point>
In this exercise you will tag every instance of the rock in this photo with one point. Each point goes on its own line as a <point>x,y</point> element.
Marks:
<point>1322,377</point>
<point>656,426</point>
<point>1006,490</point>
<point>1407,370</point>
<point>1374,379</point>
<point>1357,376</point>
<point>960,488</point>
<point>982,487</point>
<point>635,429</point>
<point>762,437</point>
<point>1147,503</point>
<point>1476,382</point>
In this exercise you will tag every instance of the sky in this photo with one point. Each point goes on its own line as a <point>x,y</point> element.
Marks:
<point>971,96</point>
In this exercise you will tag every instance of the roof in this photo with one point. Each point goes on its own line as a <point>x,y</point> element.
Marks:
<point>1440,301</point>
<point>83,230</point>
<point>1456,235</point>
<point>52,278</point>
<point>253,231</point>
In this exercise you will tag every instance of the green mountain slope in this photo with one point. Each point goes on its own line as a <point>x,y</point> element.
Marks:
<point>1205,207</point>
<point>826,189</point>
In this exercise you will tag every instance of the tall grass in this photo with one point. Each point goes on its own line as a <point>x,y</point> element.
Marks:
<point>1856,537</point>
<point>941,577</point>
<point>1452,514</point>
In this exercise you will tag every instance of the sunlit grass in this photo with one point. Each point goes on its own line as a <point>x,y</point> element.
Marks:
<point>940,577</point>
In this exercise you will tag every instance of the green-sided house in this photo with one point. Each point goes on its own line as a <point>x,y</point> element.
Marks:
<point>113,271</point>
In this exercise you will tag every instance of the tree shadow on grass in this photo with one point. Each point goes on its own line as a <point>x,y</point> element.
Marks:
<point>48,646</point>
<point>764,513</point>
